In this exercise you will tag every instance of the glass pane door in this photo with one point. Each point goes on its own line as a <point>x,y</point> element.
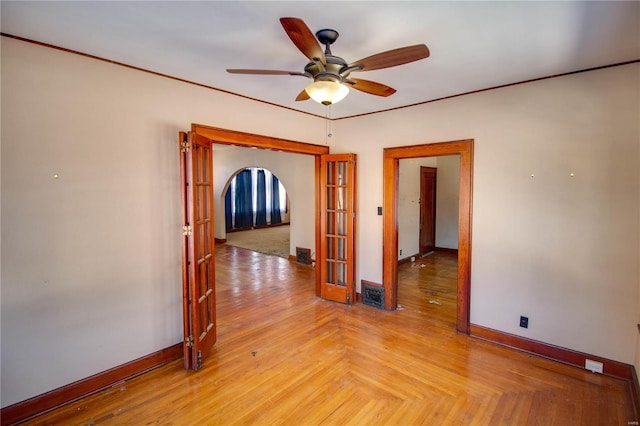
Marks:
<point>338,227</point>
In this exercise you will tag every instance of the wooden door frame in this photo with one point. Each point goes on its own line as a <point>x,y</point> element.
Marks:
<point>250,140</point>
<point>391,166</point>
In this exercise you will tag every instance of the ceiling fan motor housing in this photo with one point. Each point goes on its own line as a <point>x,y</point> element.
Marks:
<point>332,70</point>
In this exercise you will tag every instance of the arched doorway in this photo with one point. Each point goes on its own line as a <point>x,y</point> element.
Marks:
<point>256,212</point>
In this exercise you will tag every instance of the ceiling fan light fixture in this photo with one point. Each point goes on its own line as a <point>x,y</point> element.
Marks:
<point>327,92</point>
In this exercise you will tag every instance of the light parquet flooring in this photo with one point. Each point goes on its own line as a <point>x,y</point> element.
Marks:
<point>284,356</point>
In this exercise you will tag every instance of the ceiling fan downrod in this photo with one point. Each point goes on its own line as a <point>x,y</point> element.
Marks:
<point>327,37</point>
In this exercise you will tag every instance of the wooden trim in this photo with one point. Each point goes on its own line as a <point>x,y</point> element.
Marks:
<point>182,80</point>
<point>610,368</point>
<point>252,227</point>
<point>391,165</point>
<point>566,356</point>
<point>220,240</point>
<point>418,257</point>
<point>318,183</point>
<point>634,387</point>
<point>487,89</point>
<point>447,250</point>
<point>371,283</point>
<point>53,399</point>
<point>408,259</point>
<point>429,149</point>
<point>294,259</point>
<point>233,137</point>
<point>464,239</point>
<point>353,223</point>
<point>184,200</point>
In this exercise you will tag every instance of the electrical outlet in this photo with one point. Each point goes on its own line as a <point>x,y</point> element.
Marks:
<point>524,322</point>
<point>593,366</point>
<point>379,211</point>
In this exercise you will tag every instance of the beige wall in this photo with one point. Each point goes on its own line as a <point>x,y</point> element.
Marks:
<point>562,250</point>
<point>91,260</point>
<point>448,201</point>
<point>409,204</point>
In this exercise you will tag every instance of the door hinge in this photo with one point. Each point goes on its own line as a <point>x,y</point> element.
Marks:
<point>188,342</point>
<point>199,364</point>
<point>184,146</point>
<point>187,230</point>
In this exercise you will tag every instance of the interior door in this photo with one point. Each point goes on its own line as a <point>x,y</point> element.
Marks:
<point>427,209</point>
<point>198,260</point>
<point>338,227</point>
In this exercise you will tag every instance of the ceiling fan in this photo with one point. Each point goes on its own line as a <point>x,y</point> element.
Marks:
<point>331,74</point>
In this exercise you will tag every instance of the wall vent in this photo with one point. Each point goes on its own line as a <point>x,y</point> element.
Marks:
<point>303,255</point>
<point>373,295</point>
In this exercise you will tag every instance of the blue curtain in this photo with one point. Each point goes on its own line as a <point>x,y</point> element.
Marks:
<point>227,209</point>
<point>275,201</point>
<point>244,201</point>
<point>261,201</point>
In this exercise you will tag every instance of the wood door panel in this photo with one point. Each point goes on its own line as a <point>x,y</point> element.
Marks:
<point>337,227</point>
<point>185,195</point>
<point>428,178</point>
<point>198,265</point>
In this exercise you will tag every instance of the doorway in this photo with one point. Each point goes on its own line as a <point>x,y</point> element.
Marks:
<point>428,238</point>
<point>392,156</point>
<point>197,182</point>
<point>335,198</point>
<point>233,138</point>
<point>256,203</point>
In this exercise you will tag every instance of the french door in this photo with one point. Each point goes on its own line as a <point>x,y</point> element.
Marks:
<point>337,260</point>
<point>198,260</point>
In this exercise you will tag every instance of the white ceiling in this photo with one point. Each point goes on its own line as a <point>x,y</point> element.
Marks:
<point>474,45</point>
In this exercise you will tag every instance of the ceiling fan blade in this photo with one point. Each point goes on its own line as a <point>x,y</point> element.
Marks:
<point>265,72</point>
<point>303,96</point>
<point>392,58</point>
<point>372,87</point>
<point>303,38</point>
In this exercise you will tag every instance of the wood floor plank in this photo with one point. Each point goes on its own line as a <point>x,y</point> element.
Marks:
<point>284,356</point>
